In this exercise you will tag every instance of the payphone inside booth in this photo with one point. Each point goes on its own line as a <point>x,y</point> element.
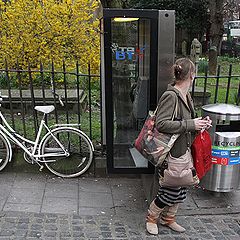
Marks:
<point>137,52</point>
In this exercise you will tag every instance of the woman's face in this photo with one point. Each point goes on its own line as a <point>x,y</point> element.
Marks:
<point>192,76</point>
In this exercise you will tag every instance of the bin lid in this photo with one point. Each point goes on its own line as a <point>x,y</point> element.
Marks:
<point>222,109</point>
<point>229,134</point>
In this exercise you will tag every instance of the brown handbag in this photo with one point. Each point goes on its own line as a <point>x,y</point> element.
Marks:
<point>178,172</point>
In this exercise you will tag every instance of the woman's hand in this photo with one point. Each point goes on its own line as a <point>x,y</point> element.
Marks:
<point>201,123</point>
<point>209,122</point>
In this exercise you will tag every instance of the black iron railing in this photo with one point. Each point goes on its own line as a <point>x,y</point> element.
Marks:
<point>219,88</point>
<point>81,95</point>
<point>30,87</point>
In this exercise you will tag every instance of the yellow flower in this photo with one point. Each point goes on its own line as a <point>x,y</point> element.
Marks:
<point>49,29</point>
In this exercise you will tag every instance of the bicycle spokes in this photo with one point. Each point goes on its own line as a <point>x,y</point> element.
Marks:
<point>78,153</point>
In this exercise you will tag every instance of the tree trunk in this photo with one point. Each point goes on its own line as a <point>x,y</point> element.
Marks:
<point>114,3</point>
<point>216,32</point>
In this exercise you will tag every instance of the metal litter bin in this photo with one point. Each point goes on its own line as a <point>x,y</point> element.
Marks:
<point>224,176</point>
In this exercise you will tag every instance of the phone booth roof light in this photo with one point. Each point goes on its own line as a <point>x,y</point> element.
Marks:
<point>125,19</point>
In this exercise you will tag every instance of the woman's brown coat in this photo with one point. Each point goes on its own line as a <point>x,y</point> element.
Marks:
<point>183,124</point>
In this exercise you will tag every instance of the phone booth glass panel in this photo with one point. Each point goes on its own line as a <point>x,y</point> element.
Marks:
<point>130,58</point>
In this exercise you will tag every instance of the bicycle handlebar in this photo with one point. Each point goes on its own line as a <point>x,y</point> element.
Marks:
<point>2,97</point>
<point>59,97</point>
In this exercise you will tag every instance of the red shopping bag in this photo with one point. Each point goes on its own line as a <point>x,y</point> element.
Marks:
<point>202,153</point>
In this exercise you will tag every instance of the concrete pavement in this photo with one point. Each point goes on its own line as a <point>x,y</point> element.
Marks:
<point>42,206</point>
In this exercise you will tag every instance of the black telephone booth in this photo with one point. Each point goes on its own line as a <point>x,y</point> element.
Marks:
<point>137,51</point>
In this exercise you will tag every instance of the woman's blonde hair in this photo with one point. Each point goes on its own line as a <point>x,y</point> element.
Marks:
<point>182,68</point>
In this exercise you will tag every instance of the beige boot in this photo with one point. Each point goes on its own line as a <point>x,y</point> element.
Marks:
<point>152,218</point>
<point>168,218</point>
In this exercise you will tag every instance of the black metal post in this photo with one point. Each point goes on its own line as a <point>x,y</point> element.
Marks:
<point>65,91</point>
<point>21,99</point>
<point>90,101</point>
<point>9,93</point>
<point>43,88</point>
<point>205,86</point>
<point>228,84</point>
<point>217,83</point>
<point>33,100</point>
<point>78,95</point>
<point>54,91</point>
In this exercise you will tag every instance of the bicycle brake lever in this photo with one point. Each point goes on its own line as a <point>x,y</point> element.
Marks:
<point>3,96</point>
<point>60,100</point>
<point>59,97</point>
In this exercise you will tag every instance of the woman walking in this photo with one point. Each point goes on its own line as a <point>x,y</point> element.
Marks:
<point>164,207</point>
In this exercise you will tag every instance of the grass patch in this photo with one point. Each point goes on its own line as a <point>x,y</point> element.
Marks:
<point>224,63</point>
<point>222,91</point>
<point>51,120</point>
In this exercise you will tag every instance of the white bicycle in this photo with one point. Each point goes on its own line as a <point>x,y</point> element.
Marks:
<point>65,150</point>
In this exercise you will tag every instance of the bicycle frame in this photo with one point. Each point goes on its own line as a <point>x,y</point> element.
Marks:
<point>13,136</point>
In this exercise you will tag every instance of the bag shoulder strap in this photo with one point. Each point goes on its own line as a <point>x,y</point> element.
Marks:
<point>176,106</point>
<point>176,110</point>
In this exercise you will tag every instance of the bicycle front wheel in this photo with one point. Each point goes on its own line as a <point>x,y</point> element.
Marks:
<point>76,144</point>
<point>5,152</point>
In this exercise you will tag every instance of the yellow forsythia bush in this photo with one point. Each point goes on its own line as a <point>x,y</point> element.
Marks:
<point>49,30</point>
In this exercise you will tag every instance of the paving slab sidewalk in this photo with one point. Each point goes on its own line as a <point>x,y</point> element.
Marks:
<point>35,206</point>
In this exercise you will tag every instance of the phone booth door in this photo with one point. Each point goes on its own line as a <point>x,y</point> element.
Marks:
<point>130,73</point>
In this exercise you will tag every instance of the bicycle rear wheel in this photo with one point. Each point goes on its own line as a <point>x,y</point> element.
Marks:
<point>5,152</point>
<point>78,147</point>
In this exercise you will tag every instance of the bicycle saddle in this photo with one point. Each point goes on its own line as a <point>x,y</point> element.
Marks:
<point>45,109</point>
